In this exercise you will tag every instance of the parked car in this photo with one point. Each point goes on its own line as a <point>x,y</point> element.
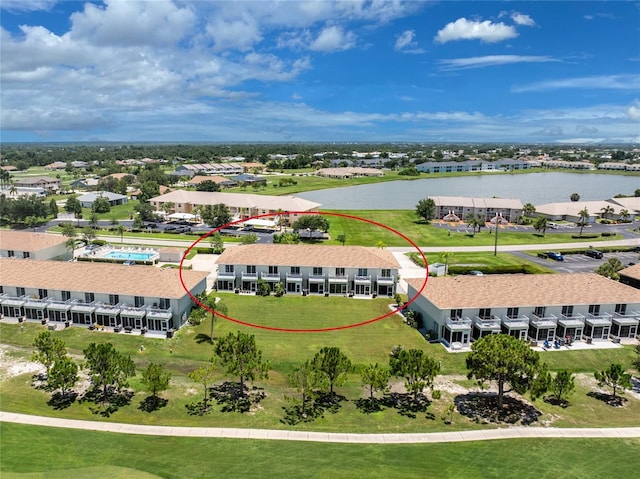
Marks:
<point>170,228</point>
<point>542,255</point>
<point>475,272</point>
<point>594,253</point>
<point>129,262</point>
<point>554,255</point>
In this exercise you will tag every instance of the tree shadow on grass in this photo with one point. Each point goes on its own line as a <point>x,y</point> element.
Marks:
<point>236,397</point>
<point>106,405</point>
<point>482,407</point>
<point>407,404</point>
<point>315,408</point>
<point>203,338</point>
<point>617,401</point>
<point>370,405</point>
<point>563,403</point>
<point>151,403</point>
<point>59,401</point>
<point>198,408</point>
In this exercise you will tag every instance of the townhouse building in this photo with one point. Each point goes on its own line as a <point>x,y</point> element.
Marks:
<point>28,245</point>
<point>547,307</point>
<point>309,269</point>
<point>45,182</point>
<point>111,295</point>
<point>459,207</point>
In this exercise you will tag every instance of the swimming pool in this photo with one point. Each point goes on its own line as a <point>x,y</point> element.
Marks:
<point>124,255</point>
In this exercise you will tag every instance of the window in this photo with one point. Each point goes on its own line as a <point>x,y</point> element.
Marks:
<point>594,309</point>
<point>26,255</point>
<point>513,312</point>
<point>251,269</point>
<point>456,313</point>
<point>114,299</point>
<point>485,313</point>
<point>340,272</point>
<point>621,309</point>
<point>228,268</point>
<point>1,289</point>
<point>386,273</point>
<point>273,270</point>
<point>165,303</point>
<point>567,311</point>
<point>295,270</point>
<point>20,291</point>
<point>138,301</point>
<point>66,295</point>
<point>539,311</point>
<point>317,271</point>
<point>89,297</point>
<point>43,293</point>
<point>11,253</point>
<point>362,271</point>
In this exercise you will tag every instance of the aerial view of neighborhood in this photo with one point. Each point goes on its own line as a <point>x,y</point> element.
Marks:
<point>312,239</point>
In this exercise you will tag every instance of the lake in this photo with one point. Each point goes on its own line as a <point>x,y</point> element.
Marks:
<point>536,188</point>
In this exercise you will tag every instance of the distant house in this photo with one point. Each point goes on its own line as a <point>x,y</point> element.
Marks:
<point>488,208</point>
<point>249,179</point>
<point>115,199</point>
<point>349,172</point>
<point>631,276</point>
<point>56,165</point>
<point>45,182</point>
<point>221,181</point>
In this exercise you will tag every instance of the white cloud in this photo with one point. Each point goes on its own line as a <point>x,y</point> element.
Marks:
<point>601,82</point>
<point>633,111</point>
<point>27,5</point>
<point>486,31</point>
<point>491,60</point>
<point>405,39</point>
<point>522,19</point>
<point>333,38</point>
<point>241,33</point>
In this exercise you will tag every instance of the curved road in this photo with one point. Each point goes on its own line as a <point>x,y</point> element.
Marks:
<point>310,436</point>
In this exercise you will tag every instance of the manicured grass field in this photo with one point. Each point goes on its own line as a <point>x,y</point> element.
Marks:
<point>480,261</point>
<point>30,452</point>
<point>406,222</point>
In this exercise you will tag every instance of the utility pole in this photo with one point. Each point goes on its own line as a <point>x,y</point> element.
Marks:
<point>495,246</point>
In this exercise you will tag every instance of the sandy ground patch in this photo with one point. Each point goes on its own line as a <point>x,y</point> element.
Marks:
<point>11,366</point>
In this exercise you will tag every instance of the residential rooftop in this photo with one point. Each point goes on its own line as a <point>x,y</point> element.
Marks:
<point>98,277</point>
<point>309,255</point>
<point>28,241</point>
<point>631,272</point>
<point>505,290</point>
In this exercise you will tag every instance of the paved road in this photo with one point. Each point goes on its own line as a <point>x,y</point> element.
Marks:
<point>310,436</point>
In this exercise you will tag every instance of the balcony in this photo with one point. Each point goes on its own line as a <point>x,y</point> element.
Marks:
<point>294,277</point>
<point>133,311</point>
<point>338,278</point>
<point>159,313</point>
<point>546,321</point>
<point>270,276</point>
<point>226,275</point>
<point>106,309</point>
<point>389,280</point>
<point>517,322</point>
<point>78,307</point>
<point>36,303</point>
<point>316,278</point>
<point>595,320</point>
<point>487,324</point>
<point>249,276</point>
<point>362,279</point>
<point>573,321</point>
<point>458,324</point>
<point>55,305</point>
<point>626,319</point>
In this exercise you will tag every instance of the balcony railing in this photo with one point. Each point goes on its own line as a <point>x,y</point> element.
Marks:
<point>630,318</point>
<point>159,313</point>
<point>316,278</point>
<point>249,276</point>
<point>548,320</point>
<point>459,323</point>
<point>574,320</point>
<point>519,321</point>
<point>226,275</point>
<point>362,279</point>
<point>294,277</point>
<point>601,319</point>
<point>270,276</point>
<point>492,322</point>
<point>385,279</point>
<point>338,278</point>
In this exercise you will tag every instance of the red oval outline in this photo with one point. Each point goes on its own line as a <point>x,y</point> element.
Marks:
<point>319,330</point>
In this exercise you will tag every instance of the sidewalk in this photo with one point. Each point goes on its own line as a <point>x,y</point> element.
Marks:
<point>310,436</point>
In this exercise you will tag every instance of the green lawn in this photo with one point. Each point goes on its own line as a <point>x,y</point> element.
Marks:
<point>30,452</point>
<point>482,261</point>
<point>406,222</point>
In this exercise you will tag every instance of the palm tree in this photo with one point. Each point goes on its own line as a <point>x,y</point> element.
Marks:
<point>528,209</point>
<point>446,257</point>
<point>583,215</point>
<point>624,215</point>
<point>607,210</point>
<point>121,230</point>
<point>541,224</point>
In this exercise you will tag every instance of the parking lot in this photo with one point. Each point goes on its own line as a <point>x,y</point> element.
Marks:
<point>580,263</point>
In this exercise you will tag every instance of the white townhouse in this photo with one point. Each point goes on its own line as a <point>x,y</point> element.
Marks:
<point>459,207</point>
<point>28,245</point>
<point>45,182</point>
<point>540,307</point>
<point>112,295</point>
<point>309,269</point>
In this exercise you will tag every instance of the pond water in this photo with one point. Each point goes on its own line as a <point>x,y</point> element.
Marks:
<point>536,188</point>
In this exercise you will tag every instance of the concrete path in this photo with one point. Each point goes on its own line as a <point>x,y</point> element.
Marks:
<point>310,436</point>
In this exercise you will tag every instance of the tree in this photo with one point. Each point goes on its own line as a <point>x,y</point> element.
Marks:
<point>217,243</point>
<point>610,268</point>
<point>107,367</point>
<point>88,234</point>
<point>311,222</point>
<point>48,349</point>
<point>583,217</point>
<point>562,385</point>
<point>64,375</point>
<point>74,206</point>
<point>625,215</point>
<point>53,208</point>
<point>306,379</point>
<point>503,359</point>
<point>31,222</point>
<point>168,207</point>
<point>215,215</point>
<point>528,209</point>
<point>333,365</point>
<point>68,230</point>
<point>148,190</point>
<point>446,257</point>
<point>156,378</point>
<point>249,238</point>
<point>101,205</point>
<point>615,378</point>
<point>342,238</point>
<point>541,224</point>
<point>93,220</point>
<point>426,209</point>
<point>607,211</point>
<point>241,357</point>
<point>475,222</point>
<point>417,369</point>
<point>636,361</point>
<point>121,231</point>
<point>208,185</point>
<point>575,197</point>
<point>205,375</point>
<point>376,378</point>
<point>145,211</point>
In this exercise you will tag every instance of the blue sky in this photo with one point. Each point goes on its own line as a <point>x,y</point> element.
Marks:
<point>361,70</point>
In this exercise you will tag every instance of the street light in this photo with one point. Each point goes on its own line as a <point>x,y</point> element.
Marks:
<point>495,245</point>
